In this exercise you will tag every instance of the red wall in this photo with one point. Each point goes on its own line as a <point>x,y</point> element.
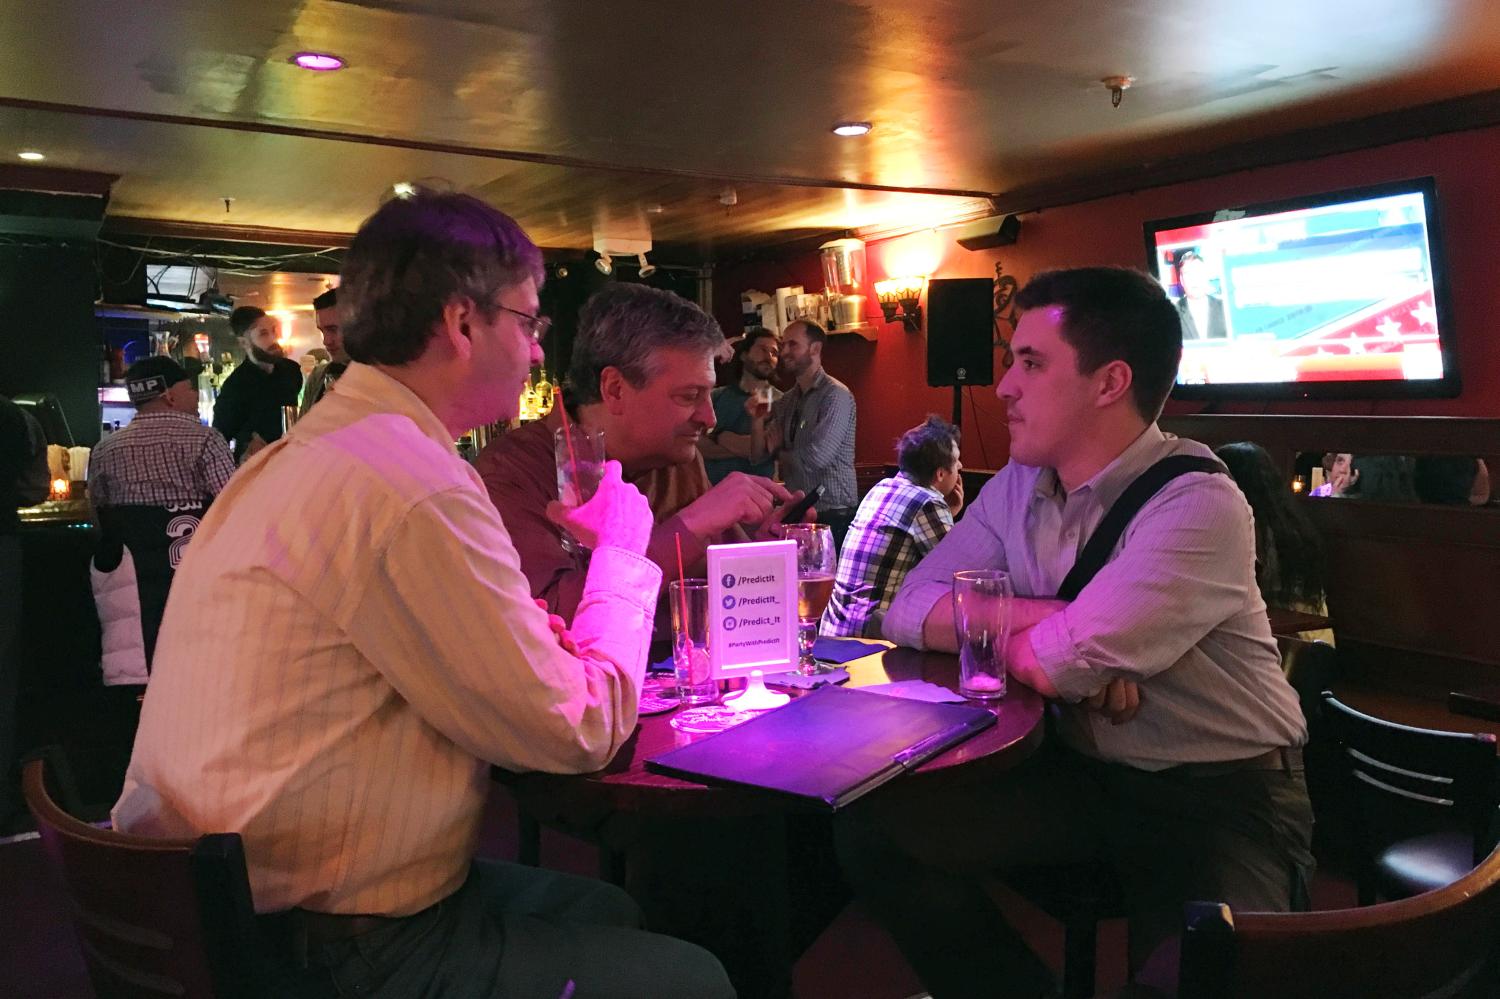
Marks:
<point>889,376</point>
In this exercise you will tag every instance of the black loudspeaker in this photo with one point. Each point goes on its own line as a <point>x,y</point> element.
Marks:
<point>1005,235</point>
<point>960,331</point>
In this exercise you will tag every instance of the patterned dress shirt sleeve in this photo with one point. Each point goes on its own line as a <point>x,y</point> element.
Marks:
<point>216,464</point>
<point>558,712</point>
<point>1179,573</point>
<point>974,542</point>
<point>818,446</point>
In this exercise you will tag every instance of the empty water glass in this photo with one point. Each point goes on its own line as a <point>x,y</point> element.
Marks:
<point>981,623</point>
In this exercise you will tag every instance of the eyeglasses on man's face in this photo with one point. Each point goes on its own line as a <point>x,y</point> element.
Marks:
<point>536,327</point>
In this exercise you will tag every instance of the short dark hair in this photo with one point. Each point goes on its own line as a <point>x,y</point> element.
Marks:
<point>328,300</point>
<point>1115,314</point>
<point>623,326</point>
<point>414,256</point>
<point>246,316</point>
<point>759,333</point>
<point>925,450</point>
<point>815,333</point>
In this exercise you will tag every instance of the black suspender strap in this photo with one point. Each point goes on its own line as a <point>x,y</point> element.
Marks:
<point>1101,543</point>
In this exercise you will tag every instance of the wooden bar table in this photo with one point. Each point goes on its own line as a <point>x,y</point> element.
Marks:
<point>749,874</point>
<point>625,785</point>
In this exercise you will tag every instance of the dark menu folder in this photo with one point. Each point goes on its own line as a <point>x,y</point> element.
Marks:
<point>830,746</point>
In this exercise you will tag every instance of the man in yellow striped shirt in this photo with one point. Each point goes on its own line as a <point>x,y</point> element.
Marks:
<point>335,688</point>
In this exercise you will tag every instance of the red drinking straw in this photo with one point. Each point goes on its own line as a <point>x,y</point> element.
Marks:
<point>682,592</point>
<point>562,411</point>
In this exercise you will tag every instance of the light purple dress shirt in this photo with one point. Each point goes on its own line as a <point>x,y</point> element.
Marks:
<point>1176,608</point>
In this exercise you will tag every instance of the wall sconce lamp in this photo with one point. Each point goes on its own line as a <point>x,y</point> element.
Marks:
<point>904,294</point>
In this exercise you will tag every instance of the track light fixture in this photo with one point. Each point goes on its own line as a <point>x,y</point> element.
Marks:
<point>605,264</point>
<point>647,268</point>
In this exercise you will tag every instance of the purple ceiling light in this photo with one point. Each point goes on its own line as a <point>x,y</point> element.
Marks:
<point>319,62</point>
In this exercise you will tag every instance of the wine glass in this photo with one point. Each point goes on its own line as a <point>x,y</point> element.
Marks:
<point>817,562</point>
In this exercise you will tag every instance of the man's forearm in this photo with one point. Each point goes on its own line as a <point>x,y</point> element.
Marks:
<point>711,448</point>
<point>938,628</point>
<point>738,445</point>
<point>1021,663</point>
<point>663,547</point>
<point>760,441</point>
<point>1025,612</point>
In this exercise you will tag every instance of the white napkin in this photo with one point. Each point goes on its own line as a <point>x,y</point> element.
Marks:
<point>78,464</point>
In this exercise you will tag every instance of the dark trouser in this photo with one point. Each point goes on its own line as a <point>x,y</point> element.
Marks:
<point>509,931</point>
<point>915,859</point>
<point>838,521</point>
<point>10,667</point>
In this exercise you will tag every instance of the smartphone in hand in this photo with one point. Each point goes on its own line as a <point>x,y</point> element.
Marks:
<point>796,511</point>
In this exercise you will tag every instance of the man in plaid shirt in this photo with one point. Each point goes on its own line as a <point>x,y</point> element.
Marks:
<point>165,456</point>
<point>899,521</point>
<point>149,484</point>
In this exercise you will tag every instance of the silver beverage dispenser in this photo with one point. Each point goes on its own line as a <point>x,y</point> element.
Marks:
<point>844,278</point>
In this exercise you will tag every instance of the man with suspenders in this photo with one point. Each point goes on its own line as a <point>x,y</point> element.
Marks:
<point>1173,751</point>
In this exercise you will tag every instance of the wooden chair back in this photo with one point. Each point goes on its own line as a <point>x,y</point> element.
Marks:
<point>154,917</point>
<point>1437,943</point>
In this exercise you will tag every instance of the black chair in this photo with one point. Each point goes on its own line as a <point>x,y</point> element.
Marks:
<point>154,917</point>
<point>1311,668</point>
<point>1424,801</point>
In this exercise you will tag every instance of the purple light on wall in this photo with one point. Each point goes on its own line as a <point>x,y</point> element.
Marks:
<point>320,62</point>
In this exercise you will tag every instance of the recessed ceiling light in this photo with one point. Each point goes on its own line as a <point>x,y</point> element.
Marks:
<point>31,154</point>
<point>851,128</point>
<point>319,62</point>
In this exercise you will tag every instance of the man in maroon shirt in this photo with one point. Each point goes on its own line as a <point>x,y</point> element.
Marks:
<point>643,372</point>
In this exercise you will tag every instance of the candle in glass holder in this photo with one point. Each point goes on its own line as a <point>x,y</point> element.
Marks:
<point>1297,484</point>
<point>60,489</point>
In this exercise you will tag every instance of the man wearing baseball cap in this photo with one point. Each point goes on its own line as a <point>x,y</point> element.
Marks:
<point>149,483</point>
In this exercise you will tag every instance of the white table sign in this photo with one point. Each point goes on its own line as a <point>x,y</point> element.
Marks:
<point>752,607</point>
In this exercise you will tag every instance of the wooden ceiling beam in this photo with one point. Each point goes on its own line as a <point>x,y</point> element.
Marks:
<point>124,225</point>
<point>56,180</point>
<point>458,149</point>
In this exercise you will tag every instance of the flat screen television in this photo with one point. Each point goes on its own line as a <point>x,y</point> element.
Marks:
<point>1335,296</point>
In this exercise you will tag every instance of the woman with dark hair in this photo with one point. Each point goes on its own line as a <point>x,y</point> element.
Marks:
<point>1288,554</point>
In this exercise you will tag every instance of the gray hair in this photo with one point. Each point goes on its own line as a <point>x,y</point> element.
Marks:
<point>414,256</point>
<point>624,326</point>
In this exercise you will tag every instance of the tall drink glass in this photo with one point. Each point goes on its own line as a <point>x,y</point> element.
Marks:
<point>981,622</point>
<point>817,563</point>
<point>688,599</point>
<point>579,469</point>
